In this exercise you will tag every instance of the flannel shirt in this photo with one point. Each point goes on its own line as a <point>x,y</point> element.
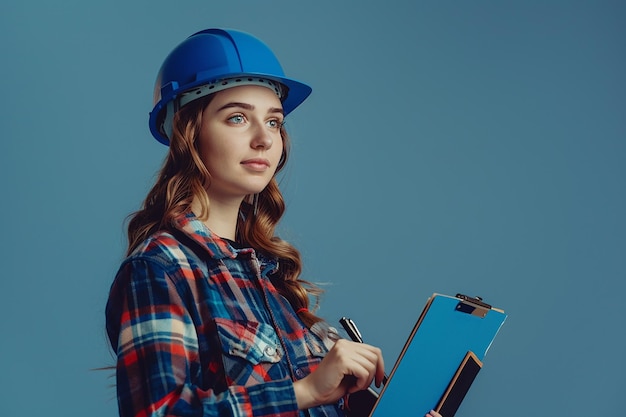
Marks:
<point>199,330</point>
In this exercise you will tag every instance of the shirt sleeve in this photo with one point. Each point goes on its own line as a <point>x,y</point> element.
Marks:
<point>157,368</point>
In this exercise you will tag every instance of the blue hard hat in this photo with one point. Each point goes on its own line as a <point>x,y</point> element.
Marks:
<point>210,56</point>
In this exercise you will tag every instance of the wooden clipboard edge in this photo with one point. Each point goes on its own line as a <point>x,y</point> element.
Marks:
<point>406,347</point>
<point>459,396</point>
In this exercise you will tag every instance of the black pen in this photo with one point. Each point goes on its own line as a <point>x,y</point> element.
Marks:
<point>350,326</point>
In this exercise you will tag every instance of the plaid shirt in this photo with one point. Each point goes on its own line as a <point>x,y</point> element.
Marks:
<point>200,330</point>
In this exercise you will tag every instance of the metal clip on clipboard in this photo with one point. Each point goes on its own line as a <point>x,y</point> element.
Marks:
<point>472,305</point>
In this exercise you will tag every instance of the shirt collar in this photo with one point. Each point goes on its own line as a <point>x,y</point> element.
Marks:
<point>195,229</point>
<point>217,247</point>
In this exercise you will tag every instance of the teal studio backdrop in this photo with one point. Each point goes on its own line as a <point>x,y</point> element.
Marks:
<point>471,146</point>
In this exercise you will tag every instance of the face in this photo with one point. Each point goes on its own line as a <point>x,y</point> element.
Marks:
<point>240,142</point>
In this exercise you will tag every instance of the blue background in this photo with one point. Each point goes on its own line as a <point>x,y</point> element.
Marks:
<point>473,146</point>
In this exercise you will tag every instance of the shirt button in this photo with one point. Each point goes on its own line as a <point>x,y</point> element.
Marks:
<point>299,373</point>
<point>270,351</point>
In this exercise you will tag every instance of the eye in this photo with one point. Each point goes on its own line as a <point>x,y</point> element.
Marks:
<point>275,123</point>
<point>237,119</point>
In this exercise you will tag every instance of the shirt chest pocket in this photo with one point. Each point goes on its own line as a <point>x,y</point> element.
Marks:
<point>251,352</point>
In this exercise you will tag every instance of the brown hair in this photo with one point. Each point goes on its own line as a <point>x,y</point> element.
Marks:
<point>184,176</point>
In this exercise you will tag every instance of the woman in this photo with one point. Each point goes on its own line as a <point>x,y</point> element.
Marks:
<point>207,314</point>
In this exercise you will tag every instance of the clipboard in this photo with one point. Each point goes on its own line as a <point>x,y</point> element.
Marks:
<point>441,357</point>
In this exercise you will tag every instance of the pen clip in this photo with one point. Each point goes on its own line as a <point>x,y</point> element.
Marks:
<point>351,329</point>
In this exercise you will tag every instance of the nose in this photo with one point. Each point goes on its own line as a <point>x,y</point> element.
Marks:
<point>261,138</point>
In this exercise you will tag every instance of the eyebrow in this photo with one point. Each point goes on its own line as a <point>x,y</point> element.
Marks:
<point>246,106</point>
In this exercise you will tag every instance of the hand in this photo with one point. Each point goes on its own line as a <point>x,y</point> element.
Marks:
<point>348,367</point>
<point>433,413</point>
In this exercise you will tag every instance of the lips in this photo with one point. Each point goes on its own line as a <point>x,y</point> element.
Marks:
<point>256,164</point>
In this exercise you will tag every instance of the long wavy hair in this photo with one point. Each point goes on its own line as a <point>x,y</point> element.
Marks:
<point>184,177</point>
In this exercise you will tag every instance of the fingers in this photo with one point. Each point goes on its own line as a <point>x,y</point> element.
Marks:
<point>380,368</point>
<point>363,362</point>
<point>371,359</point>
<point>348,367</point>
<point>433,413</point>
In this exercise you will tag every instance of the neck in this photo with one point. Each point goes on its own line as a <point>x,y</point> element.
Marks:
<point>223,214</point>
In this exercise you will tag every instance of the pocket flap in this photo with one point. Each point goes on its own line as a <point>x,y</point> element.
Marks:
<point>255,342</point>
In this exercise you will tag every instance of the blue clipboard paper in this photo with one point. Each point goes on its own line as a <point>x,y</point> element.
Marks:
<point>440,340</point>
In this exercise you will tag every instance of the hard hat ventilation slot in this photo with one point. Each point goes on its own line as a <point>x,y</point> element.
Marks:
<point>220,85</point>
